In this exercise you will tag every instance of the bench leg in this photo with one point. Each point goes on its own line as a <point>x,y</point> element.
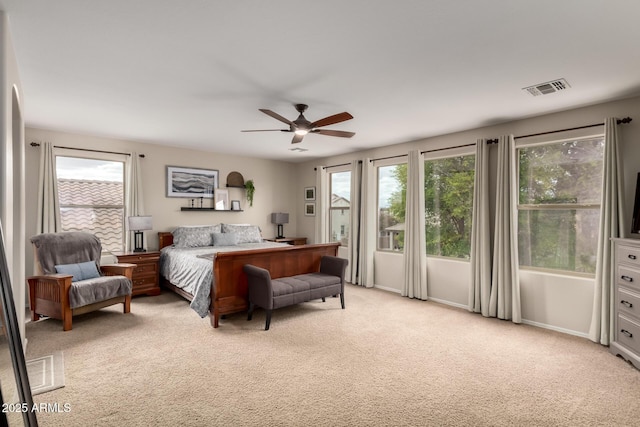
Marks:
<point>342,300</point>
<point>322,299</point>
<point>266,326</point>
<point>250,313</point>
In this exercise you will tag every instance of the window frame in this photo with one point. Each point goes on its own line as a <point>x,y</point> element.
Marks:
<point>447,153</point>
<point>330,208</point>
<point>101,156</point>
<point>377,164</point>
<point>541,140</point>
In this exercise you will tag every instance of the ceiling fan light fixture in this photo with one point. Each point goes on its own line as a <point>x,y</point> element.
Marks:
<point>301,132</point>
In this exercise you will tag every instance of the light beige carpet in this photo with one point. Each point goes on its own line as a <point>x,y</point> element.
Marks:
<point>384,361</point>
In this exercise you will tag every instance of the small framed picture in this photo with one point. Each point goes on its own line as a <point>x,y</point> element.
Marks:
<point>310,193</point>
<point>310,209</point>
<point>222,199</point>
<point>235,205</point>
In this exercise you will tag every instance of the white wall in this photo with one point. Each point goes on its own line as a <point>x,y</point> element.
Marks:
<point>274,181</point>
<point>12,169</point>
<point>553,301</point>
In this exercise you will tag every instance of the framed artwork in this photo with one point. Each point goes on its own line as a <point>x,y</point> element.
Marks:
<point>191,182</point>
<point>310,209</point>
<point>235,205</point>
<point>222,200</point>
<point>310,193</point>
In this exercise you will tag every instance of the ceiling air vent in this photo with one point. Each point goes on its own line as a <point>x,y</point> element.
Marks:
<point>298,149</point>
<point>548,87</point>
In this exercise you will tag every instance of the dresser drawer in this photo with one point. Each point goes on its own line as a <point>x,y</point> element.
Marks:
<point>628,255</point>
<point>143,281</point>
<point>628,333</point>
<point>628,301</point>
<point>628,276</point>
<point>146,268</point>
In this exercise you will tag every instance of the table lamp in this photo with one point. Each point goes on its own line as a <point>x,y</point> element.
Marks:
<point>137,224</point>
<point>280,218</point>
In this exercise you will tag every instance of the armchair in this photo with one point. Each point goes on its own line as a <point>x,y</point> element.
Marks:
<point>69,279</point>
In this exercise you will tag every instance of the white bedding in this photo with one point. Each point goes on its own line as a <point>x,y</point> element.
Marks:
<point>191,269</point>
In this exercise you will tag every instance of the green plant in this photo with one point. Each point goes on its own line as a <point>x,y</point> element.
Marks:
<point>251,189</point>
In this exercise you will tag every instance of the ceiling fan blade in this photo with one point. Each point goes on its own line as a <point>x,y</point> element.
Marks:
<point>339,133</point>
<point>276,116</point>
<point>336,118</point>
<point>297,138</point>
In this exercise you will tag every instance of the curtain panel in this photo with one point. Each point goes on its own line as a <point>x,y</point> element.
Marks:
<point>321,235</point>
<point>134,202</point>
<point>612,224</point>
<point>505,287</point>
<point>48,202</point>
<point>415,247</point>
<point>480,258</point>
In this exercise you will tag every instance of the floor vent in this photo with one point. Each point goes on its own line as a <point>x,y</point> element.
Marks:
<point>548,87</point>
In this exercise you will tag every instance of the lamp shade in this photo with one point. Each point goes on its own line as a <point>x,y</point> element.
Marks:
<point>138,223</point>
<point>279,218</point>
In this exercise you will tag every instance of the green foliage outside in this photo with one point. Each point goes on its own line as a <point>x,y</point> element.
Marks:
<point>448,204</point>
<point>559,196</point>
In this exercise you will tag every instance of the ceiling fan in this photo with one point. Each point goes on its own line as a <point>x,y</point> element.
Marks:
<point>301,126</point>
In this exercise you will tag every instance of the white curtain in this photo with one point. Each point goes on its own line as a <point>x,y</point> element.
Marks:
<point>611,226</point>
<point>362,236</point>
<point>134,203</point>
<point>505,286</point>
<point>355,209</point>
<point>415,250</point>
<point>48,202</point>
<point>480,287</point>
<point>321,208</point>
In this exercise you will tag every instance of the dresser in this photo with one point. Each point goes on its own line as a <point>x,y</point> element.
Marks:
<point>146,275</point>
<point>626,338</point>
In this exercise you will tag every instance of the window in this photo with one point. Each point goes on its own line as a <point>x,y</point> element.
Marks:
<point>91,194</point>
<point>392,194</point>
<point>448,187</point>
<point>559,188</point>
<point>339,214</point>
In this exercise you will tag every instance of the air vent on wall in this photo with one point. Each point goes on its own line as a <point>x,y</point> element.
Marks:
<point>548,87</point>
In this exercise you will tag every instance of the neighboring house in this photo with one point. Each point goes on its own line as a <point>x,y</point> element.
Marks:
<point>93,206</point>
<point>340,219</point>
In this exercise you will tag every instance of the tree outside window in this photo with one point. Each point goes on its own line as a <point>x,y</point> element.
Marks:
<point>560,184</point>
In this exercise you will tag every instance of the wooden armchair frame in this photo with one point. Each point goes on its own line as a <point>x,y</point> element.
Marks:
<point>49,295</point>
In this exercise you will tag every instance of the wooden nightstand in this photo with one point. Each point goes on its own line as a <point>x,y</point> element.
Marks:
<point>146,276</point>
<point>289,240</point>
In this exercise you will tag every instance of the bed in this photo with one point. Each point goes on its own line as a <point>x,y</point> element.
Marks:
<point>204,264</point>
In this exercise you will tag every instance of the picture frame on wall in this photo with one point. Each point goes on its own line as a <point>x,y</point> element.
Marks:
<point>191,182</point>
<point>235,205</point>
<point>310,193</point>
<point>222,200</point>
<point>310,209</point>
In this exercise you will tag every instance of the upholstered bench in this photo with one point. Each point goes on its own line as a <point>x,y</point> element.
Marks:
<point>276,293</point>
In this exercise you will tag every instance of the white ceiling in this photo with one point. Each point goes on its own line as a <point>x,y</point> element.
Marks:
<point>193,73</point>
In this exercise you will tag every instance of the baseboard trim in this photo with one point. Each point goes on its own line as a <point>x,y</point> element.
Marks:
<point>555,328</point>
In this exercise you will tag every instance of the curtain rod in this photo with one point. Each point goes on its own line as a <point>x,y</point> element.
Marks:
<point>619,121</point>
<point>489,142</point>
<point>335,166</point>
<point>37,144</point>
